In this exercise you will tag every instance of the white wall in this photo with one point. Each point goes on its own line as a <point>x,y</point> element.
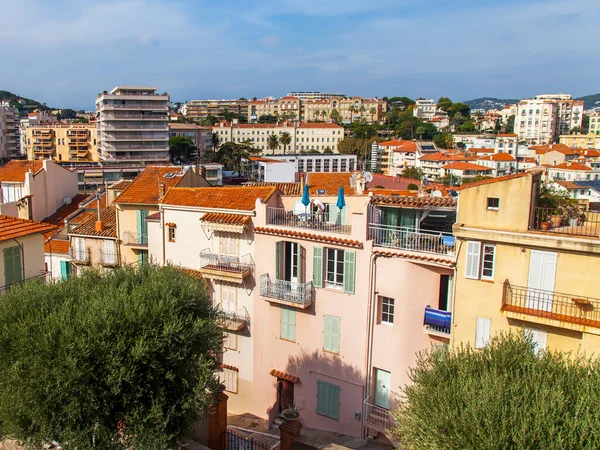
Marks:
<point>281,172</point>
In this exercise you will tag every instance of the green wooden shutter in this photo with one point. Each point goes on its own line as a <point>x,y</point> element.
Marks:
<point>64,269</point>
<point>288,324</point>
<point>349,268</point>
<point>328,399</point>
<point>13,269</point>
<point>142,226</point>
<point>318,266</point>
<point>301,264</point>
<point>331,334</point>
<point>279,260</point>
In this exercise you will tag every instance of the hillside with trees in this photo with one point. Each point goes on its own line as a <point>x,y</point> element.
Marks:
<point>26,104</point>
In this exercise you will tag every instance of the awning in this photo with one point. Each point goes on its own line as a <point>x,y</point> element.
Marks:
<point>284,376</point>
<point>234,223</point>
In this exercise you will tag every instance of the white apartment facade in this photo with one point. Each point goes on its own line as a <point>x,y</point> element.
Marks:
<point>9,132</point>
<point>304,95</point>
<point>425,108</point>
<point>319,162</point>
<point>304,136</point>
<point>133,124</point>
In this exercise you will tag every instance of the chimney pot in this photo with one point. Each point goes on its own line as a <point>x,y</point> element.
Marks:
<point>99,225</point>
<point>161,189</point>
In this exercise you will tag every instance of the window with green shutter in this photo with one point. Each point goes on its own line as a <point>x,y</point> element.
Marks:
<point>318,266</point>
<point>331,334</point>
<point>65,269</point>
<point>13,267</point>
<point>349,270</point>
<point>142,226</point>
<point>288,324</point>
<point>328,399</point>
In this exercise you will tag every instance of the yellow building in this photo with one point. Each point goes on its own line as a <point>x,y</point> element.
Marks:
<point>587,141</point>
<point>62,142</point>
<point>524,267</point>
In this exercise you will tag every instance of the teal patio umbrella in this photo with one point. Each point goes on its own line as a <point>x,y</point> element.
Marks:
<point>341,201</point>
<point>305,199</point>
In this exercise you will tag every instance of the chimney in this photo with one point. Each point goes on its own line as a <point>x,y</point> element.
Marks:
<point>99,223</point>
<point>161,190</point>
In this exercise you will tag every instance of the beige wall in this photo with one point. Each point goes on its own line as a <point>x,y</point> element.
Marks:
<point>68,142</point>
<point>32,257</point>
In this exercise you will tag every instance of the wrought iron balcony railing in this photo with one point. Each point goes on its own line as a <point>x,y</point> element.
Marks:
<point>437,321</point>
<point>322,221</point>
<point>289,292</point>
<point>403,238</point>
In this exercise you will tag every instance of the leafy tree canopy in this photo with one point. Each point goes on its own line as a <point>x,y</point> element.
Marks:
<point>134,348</point>
<point>181,148</point>
<point>404,100</point>
<point>444,103</point>
<point>414,173</point>
<point>355,146</point>
<point>506,396</point>
<point>267,118</point>
<point>510,124</point>
<point>443,140</point>
<point>209,121</point>
<point>459,107</point>
<point>231,154</point>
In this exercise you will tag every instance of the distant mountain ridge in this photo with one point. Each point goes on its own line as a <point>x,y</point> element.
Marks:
<point>488,103</point>
<point>591,101</point>
<point>28,104</point>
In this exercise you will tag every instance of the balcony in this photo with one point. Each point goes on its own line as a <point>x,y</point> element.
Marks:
<point>43,277</point>
<point>80,257</point>
<point>377,418</point>
<point>550,308</point>
<point>136,240</point>
<point>297,295</point>
<point>236,321</point>
<point>225,267</point>
<point>560,221</point>
<point>403,238</point>
<point>108,259</point>
<point>321,221</point>
<point>437,322</point>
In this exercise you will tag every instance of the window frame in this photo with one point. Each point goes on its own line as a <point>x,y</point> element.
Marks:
<point>483,261</point>
<point>480,324</point>
<point>495,200</point>
<point>337,260</point>
<point>230,376</point>
<point>390,315</point>
<point>172,234</point>
<point>324,388</point>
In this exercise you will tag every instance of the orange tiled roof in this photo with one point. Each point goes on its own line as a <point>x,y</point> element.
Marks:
<point>120,185</point>
<point>284,188</point>
<point>88,228</point>
<point>330,182</point>
<point>569,185</point>
<point>400,145</point>
<point>319,125</point>
<point>461,165</point>
<point>493,180</point>
<point>56,246</point>
<point>590,153</point>
<point>572,166</point>
<point>58,218</point>
<point>183,126</point>
<point>480,150</point>
<point>144,189</point>
<point>415,202</point>
<point>507,135</point>
<point>11,228</point>
<point>261,159</point>
<point>14,171</point>
<point>449,156</point>
<point>231,198</point>
<point>195,274</point>
<point>414,256</point>
<point>284,376</point>
<point>497,157</point>
<point>529,159</point>
<point>308,236</point>
<point>561,148</point>
<point>229,219</point>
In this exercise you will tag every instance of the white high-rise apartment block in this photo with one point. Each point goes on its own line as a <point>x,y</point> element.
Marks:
<point>133,124</point>
<point>543,119</point>
<point>9,132</point>
<point>425,109</point>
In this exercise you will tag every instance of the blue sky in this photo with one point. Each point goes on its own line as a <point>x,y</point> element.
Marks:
<point>64,52</point>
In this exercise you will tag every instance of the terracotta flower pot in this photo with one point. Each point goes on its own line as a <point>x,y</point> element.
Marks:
<point>545,226</point>
<point>556,220</point>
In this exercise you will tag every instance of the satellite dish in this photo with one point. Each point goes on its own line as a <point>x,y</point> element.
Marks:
<point>368,176</point>
<point>436,193</point>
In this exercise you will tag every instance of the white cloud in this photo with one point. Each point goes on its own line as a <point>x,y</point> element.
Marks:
<point>269,40</point>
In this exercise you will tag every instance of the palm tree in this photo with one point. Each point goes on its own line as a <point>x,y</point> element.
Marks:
<point>420,132</point>
<point>323,115</point>
<point>292,116</point>
<point>273,143</point>
<point>352,109</point>
<point>286,139</point>
<point>335,115</point>
<point>362,110</point>
<point>216,141</point>
<point>372,111</point>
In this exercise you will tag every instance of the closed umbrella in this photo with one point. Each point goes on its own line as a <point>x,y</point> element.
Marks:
<point>305,199</point>
<point>341,202</point>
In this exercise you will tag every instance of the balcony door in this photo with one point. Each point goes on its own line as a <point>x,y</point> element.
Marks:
<point>382,388</point>
<point>540,285</point>
<point>291,262</point>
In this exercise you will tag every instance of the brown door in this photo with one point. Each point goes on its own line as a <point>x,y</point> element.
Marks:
<point>286,394</point>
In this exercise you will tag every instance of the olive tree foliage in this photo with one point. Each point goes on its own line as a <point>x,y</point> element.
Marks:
<point>502,397</point>
<point>123,360</point>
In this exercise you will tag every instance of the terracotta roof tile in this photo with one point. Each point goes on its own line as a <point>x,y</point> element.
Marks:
<point>418,257</point>
<point>231,198</point>
<point>588,152</point>
<point>572,166</point>
<point>507,135</point>
<point>461,165</point>
<point>480,150</point>
<point>229,219</point>
<point>195,274</point>
<point>284,376</point>
<point>493,180</point>
<point>561,148</point>
<point>320,125</point>
<point>183,126</point>
<point>144,189</point>
<point>497,157</point>
<point>11,227</point>
<point>57,246</point>
<point>415,202</point>
<point>120,185</point>
<point>15,170</point>
<point>400,145</point>
<point>448,156</point>
<point>569,185</point>
<point>309,236</point>
<point>58,218</point>
<point>88,228</point>
<point>330,182</point>
<point>284,188</point>
<point>261,159</point>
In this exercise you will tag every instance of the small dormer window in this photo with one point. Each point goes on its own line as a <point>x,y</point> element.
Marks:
<point>493,203</point>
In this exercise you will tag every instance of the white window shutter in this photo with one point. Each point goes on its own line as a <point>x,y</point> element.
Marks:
<point>472,260</point>
<point>482,332</point>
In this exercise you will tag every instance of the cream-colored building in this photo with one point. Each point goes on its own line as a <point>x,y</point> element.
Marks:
<point>594,126</point>
<point>521,267</point>
<point>543,119</point>
<point>62,142</point>
<point>425,108</point>
<point>9,132</point>
<point>304,136</point>
<point>585,141</point>
<point>200,136</point>
<point>284,107</point>
<point>133,124</point>
<point>201,109</point>
<point>21,250</point>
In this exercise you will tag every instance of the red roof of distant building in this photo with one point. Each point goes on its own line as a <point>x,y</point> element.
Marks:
<point>497,157</point>
<point>572,166</point>
<point>460,165</point>
<point>400,145</point>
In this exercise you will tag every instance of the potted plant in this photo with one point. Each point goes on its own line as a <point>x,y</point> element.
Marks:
<point>555,205</point>
<point>290,413</point>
